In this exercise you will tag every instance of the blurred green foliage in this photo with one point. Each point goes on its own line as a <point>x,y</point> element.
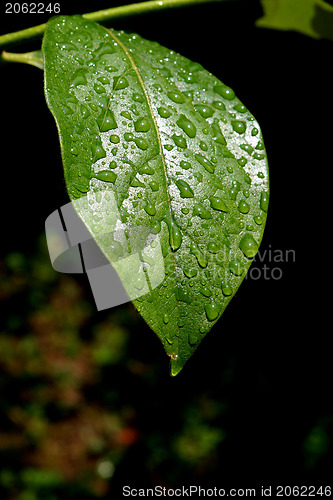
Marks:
<point>65,424</point>
<point>79,394</point>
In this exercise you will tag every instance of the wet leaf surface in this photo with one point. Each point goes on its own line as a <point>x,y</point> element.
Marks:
<point>150,139</point>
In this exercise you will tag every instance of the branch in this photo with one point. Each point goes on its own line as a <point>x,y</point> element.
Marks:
<point>36,32</point>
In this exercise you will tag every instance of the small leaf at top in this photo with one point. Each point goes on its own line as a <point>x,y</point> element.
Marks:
<point>151,139</point>
<point>310,17</point>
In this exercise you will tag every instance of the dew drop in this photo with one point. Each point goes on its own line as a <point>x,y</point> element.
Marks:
<point>106,49</point>
<point>238,126</point>
<point>201,212</point>
<point>175,235</point>
<point>163,112</point>
<point>79,79</point>
<point>212,310</point>
<point>99,89</point>
<point>106,175</point>
<point>187,126</point>
<point>154,185</point>
<point>120,83</point>
<point>146,169</point>
<point>176,97</point>
<point>106,121</point>
<point>141,143</point>
<point>97,150</point>
<point>184,296</point>
<point>218,136</point>
<point>205,163</point>
<point>226,290</point>
<point>248,245</point>
<point>205,110</point>
<point>190,272</point>
<point>139,283</point>
<point>202,260</point>
<point>213,247</point>
<point>128,137</point>
<point>136,183</point>
<point>219,105</point>
<point>235,187</point>
<point>114,139</point>
<point>180,141</point>
<point>224,91</point>
<point>247,148</point>
<point>240,108</point>
<point>165,318</point>
<point>264,201</point>
<point>185,164</point>
<point>111,69</point>
<point>83,188</point>
<point>235,266</point>
<point>243,207</point>
<point>218,204</point>
<point>242,161</point>
<point>142,124</point>
<point>206,292</point>
<point>127,115</point>
<point>138,97</point>
<point>74,150</point>
<point>158,87</point>
<point>185,189</point>
<point>85,112</point>
<point>150,208</point>
<point>259,156</point>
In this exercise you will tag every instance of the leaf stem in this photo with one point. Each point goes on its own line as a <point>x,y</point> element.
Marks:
<point>36,32</point>
<point>33,58</point>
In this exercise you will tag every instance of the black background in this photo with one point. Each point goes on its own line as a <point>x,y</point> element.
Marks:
<point>275,333</point>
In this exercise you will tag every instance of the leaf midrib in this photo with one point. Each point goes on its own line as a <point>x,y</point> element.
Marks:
<point>136,70</point>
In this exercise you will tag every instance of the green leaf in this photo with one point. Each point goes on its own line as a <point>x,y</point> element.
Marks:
<point>310,17</point>
<point>151,139</point>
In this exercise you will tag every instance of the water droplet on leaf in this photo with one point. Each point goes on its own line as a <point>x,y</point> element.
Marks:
<point>185,189</point>
<point>218,204</point>
<point>212,310</point>
<point>248,245</point>
<point>187,126</point>
<point>176,97</point>
<point>236,267</point>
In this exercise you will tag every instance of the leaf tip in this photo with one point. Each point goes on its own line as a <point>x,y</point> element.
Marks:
<point>176,365</point>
